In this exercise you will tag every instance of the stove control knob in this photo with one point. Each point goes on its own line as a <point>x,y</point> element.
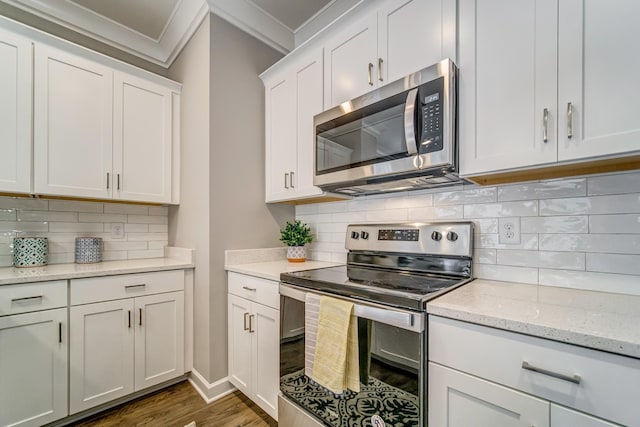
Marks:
<point>452,236</point>
<point>436,235</point>
<point>364,235</point>
<point>355,235</point>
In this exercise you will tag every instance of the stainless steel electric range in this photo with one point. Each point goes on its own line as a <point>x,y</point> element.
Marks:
<point>392,271</point>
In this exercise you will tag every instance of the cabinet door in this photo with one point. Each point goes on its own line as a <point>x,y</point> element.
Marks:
<point>309,92</point>
<point>101,353</point>
<point>598,75</point>
<point>350,61</point>
<point>142,138</point>
<point>33,368</point>
<point>413,34</point>
<point>564,417</point>
<point>240,352</point>
<point>280,154</point>
<point>15,113</point>
<point>159,342</point>
<point>266,326</point>
<point>72,125</point>
<point>460,400</point>
<point>508,78</point>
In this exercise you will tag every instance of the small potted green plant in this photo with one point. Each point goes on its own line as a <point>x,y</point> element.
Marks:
<point>295,235</point>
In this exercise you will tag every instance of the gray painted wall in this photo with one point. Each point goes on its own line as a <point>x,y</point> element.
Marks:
<point>222,183</point>
<point>240,219</point>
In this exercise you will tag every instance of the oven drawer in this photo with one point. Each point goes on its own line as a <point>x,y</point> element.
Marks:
<point>27,297</point>
<point>256,289</point>
<point>607,385</point>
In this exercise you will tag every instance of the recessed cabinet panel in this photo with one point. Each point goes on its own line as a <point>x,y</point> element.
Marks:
<point>72,125</point>
<point>350,62</point>
<point>101,353</point>
<point>598,78</point>
<point>33,368</point>
<point>15,113</point>
<point>142,140</point>
<point>508,67</point>
<point>240,364</point>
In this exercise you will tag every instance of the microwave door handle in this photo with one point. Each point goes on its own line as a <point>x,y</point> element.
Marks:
<point>409,127</point>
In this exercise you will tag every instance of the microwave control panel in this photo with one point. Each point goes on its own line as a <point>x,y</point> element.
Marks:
<point>431,120</point>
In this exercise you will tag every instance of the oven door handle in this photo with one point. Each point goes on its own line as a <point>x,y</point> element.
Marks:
<point>388,316</point>
<point>409,122</point>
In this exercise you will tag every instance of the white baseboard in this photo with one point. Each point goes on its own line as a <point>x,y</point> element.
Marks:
<point>210,392</point>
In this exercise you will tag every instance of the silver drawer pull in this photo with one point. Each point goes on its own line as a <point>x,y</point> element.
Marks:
<point>571,378</point>
<point>26,298</point>
<point>249,289</point>
<point>141,285</point>
<point>545,125</point>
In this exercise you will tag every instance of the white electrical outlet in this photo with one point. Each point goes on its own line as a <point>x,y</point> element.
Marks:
<point>117,230</point>
<point>509,230</point>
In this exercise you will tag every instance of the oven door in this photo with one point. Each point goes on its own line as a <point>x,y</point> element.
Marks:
<point>392,368</point>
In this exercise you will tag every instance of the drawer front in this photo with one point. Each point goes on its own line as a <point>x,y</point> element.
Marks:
<point>608,383</point>
<point>106,288</point>
<point>262,291</point>
<point>27,297</point>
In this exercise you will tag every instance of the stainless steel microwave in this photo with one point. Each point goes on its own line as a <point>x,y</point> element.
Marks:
<point>400,136</point>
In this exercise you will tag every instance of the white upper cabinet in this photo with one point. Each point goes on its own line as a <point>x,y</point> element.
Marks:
<point>598,78</point>
<point>293,96</point>
<point>15,112</point>
<point>507,61</point>
<point>397,38</point>
<point>142,139</point>
<point>72,125</point>
<point>547,82</point>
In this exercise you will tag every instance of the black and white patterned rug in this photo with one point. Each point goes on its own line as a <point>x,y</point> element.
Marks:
<point>396,407</point>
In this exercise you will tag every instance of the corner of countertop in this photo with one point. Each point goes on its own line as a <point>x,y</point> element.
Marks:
<point>185,255</point>
<point>252,256</point>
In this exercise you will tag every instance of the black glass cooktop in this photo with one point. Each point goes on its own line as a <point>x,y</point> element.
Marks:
<point>390,287</point>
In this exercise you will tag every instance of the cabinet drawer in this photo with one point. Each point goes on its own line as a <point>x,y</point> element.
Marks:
<point>608,383</point>
<point>95,289</point>
<point>26,297</point>
<point>262,291</point>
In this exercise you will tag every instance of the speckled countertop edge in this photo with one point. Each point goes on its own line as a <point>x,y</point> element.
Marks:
<point>597,320</point>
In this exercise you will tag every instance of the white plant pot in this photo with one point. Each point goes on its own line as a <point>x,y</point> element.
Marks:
<point>296,254</point>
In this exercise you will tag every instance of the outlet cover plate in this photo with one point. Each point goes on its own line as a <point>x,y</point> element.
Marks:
<point>117,230</point>
<point>509,231</point>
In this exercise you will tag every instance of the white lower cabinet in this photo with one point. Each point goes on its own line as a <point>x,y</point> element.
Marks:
<point>124,345</point>
<point>254,328</point>
<point>486,377</point>
<point>33,353</point>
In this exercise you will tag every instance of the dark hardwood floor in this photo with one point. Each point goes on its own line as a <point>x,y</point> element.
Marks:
<point>179,405</point>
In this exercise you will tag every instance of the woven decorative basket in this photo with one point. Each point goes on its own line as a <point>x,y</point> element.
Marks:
<point>30,251</point>
<point>88,250</point>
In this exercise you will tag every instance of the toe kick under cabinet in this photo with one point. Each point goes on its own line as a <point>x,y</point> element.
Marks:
<point>486,377</point>
<point>126,334</point>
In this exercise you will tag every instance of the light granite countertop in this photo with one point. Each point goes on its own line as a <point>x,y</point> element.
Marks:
<point>175,259</point>
<point>271,269</point>
<point>598,320</point>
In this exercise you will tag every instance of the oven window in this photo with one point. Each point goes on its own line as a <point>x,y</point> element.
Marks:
<point>370,135</point>
<point>391,379</point>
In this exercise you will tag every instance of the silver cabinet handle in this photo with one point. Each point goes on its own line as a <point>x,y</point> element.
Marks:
<point>118,188</point>
<point>545,125</point>
<point>26,298</point>
<point>108,180</point>
<point>409,128</point>
<point>569,120</point>
<point>251,330</point>
<point>291,180</point>
<point>370,74</point>
<point>245,327</point>
<point>286,176</point>
<point>380,69</point>
<point>249,289</point>
<point>141,285</point>
<point>129,313</point>
<point>140,324</point>
<point>570,378</point>
<point>60,332</point>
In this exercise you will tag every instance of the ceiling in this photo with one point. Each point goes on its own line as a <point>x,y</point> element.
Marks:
<point>156,30</point>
